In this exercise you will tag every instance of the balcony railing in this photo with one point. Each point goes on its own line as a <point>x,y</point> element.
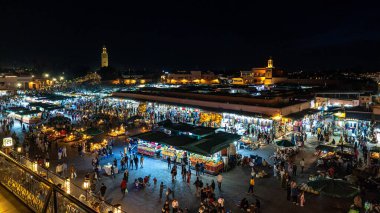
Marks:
<point>44,191</point>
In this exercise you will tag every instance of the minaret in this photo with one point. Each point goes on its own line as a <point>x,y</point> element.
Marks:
<point>270,63</point>
<point>104,57</point>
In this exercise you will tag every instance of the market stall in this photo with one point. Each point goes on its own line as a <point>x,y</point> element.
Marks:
<point>374,154</point>
<point>117,132</point>
<point>326,152</point>
<point>147,142</point>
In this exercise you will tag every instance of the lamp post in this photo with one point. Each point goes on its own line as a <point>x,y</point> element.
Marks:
<point>117,208</point>
<point>67,185</point>
<point>35,166</point>
<point>86,185</point>
<point>47,165</point>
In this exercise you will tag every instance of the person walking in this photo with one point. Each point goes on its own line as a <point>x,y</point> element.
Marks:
<point>251,185</point>
<point>73,174</point>
<point>175,205</point>
<point>113,171</point>
<point>219,179</point>
<point>103,189</point>
<point>302,164</point>
<point>294,170</point>
<point>142,161</point>
<point>188,177</point>
<point>302,199</point>
<point>123,187</point>
<point>131,162</point>
<point>213,186</point>
<point>64,153</point>
<point>59,153</point>
<point>197,168</point>
<point>161,189</point>
<point>169,163</point>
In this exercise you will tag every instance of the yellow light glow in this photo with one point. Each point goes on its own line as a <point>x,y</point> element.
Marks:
<point>277,117</point>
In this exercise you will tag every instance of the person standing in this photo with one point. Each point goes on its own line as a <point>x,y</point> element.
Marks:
<point>219,179</point>
<point>103,189</point>
<point>123,187</point>
<point>294,170</point>
<point>302,164</point>
<point>142,161</point>
<point>251,185</point>
<point>126,160</point>
<point>136,162</point>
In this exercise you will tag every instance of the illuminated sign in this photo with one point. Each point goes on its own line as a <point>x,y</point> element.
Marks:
<point>7,142</point>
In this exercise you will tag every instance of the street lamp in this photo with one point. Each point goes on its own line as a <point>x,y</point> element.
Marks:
<point>117,208</point>
<point>86,185</point>
<point>61,78</point>
<point>67,185</point>
<point>19,149</point>
<point>47,164</point>
<point>35,166</point>
<point>47,75</point>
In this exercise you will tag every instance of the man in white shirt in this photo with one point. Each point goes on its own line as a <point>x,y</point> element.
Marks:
<point>302,164</point>
<point>219,179</point>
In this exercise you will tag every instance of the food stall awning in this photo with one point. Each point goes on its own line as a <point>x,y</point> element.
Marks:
<point>365,116</point>
<point>154,136</point>
<point>285,143</point>
<point>210,144</point>
<point>301,114</point>
<point>15,109</point>
<point>180,127</point>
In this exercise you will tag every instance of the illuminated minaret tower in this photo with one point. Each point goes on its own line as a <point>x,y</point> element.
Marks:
<point>270,63</point>
<point>104,57</point>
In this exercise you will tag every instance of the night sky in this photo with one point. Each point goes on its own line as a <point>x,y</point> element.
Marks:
<point>215,35</point>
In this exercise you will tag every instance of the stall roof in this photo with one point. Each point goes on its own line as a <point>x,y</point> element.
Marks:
<point>202,131</point>
<point>178,141</point>
<point>301,114</point>
<point>327,148</point>
<point>45,106</point>
<point>155,136</point>
<point>359,115</point>
<point>28,112</point>
<point>93,131</point>
<point>181,127</point>
<point>214,143</point>
<point>15,109</point>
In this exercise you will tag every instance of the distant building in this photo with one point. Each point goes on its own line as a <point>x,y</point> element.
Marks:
<point>15,82</point>
<point>190,77</point>
<point>264,75</point>
<point>104,57</point>
<point>132,79</point>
